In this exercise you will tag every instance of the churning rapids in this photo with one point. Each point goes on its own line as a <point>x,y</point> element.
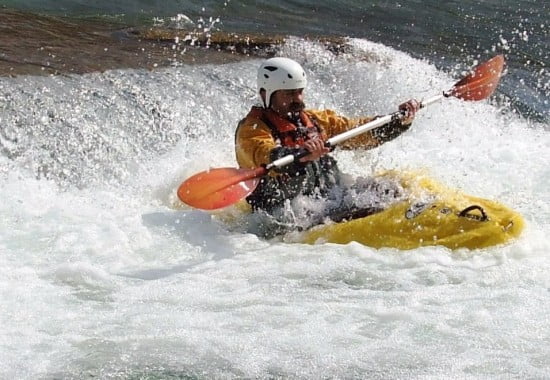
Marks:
<point>104,275</point>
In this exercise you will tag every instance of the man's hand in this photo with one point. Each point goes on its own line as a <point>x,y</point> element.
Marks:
<point>316,149</point>
<point>410,107</point>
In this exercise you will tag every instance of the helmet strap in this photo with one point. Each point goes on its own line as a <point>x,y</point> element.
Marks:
<point>262,96</point>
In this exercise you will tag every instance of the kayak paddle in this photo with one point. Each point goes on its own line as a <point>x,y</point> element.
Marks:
<point>220,187</point>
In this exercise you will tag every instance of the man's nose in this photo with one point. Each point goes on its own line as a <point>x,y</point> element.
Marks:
<point>297,96</point>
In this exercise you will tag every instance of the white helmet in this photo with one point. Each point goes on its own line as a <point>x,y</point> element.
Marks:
<point>280,74</point>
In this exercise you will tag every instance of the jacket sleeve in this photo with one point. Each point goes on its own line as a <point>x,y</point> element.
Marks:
<point>334,124</point>
<point>253,143</point>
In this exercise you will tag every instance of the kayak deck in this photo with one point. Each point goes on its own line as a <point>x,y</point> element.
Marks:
<point>450,218</point>
<point>432,215</point>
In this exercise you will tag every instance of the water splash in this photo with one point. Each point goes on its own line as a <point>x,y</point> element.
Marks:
<point>100,276</point>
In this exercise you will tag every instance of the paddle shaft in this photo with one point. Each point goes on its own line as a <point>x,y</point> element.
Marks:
<point>335,140</point>
<point>216,188</point>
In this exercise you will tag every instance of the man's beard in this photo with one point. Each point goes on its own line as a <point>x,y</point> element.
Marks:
<point>295,108</point>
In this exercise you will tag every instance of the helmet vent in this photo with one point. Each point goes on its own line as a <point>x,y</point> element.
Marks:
<point>266,76</point>
<point>270,68</point>
<point>290,76</point>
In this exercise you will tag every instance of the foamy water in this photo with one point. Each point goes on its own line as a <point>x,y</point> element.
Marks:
<point>103,274</point>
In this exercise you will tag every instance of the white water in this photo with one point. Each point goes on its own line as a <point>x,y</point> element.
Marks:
<point>102,276</point>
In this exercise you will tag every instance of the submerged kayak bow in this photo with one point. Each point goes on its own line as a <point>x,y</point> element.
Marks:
<point>220,187</point>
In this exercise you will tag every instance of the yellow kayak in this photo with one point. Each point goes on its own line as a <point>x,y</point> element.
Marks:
<point>432,215</point>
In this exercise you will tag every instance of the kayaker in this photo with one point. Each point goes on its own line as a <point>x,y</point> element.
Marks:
<point>311,189</point>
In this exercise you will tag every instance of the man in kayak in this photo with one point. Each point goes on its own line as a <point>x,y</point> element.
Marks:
<point>311,189</point>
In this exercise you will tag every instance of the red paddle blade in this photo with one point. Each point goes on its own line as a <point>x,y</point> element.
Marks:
<point>217,188</point>
<point>482,82</point>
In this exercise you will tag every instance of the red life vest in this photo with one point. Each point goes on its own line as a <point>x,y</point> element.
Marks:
<point>312,177</point>
<point>288,133</point>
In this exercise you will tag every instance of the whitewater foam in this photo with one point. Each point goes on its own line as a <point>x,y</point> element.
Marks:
<point>104,274</point>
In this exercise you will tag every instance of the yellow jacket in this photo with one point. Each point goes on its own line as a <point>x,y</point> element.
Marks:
<point>254,140</point>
